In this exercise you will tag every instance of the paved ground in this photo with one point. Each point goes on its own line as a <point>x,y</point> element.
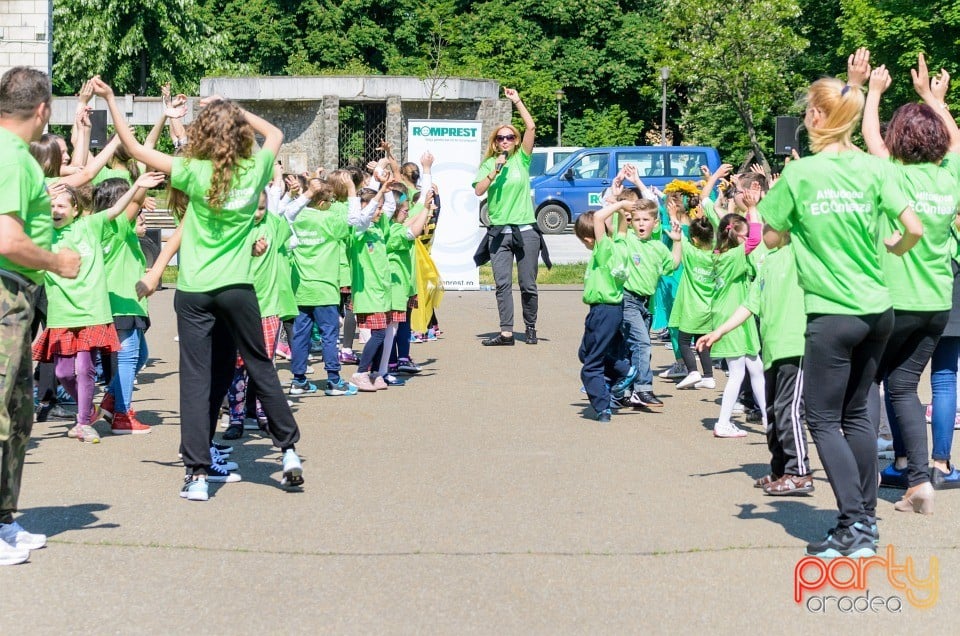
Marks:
<point>477,499</point>
<point>566,248</point>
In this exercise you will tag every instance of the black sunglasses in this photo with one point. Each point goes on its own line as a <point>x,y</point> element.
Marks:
<point>505,137</point>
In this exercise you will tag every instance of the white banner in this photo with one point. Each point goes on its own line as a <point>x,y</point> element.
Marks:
<point>456,147</point>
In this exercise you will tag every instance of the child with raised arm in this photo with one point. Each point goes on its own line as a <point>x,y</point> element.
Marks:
<point>690,314</point>
<point>776,298</point>
<point>603,292</point>
<point>647,260</point>
<point>79,320</point>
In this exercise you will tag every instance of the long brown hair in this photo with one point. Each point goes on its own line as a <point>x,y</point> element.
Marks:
<point>221,135</point>
<point>46,151</point>
<point>493,149</point>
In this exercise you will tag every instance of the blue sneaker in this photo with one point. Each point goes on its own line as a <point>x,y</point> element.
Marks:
<point>625,382</point>
<point>892,477</point>
<point>393,380</point>
<point>63,397</point>
<point>195,489</point>
<point>341,387</point>
<point>604,416</point>
<point>299,388</point>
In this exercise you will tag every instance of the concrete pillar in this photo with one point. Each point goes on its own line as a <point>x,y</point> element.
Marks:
<point>493,113</point>
<point>331,132</point>
<point>395,133</point>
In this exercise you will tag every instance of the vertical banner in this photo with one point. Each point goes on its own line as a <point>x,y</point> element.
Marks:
<point>456,147</point>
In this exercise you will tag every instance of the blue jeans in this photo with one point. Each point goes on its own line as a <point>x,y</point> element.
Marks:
<point>130,359</point>
<point>636,335</point>
<point>943,383</point>
<point>598,353</point>
<point>327,319</point>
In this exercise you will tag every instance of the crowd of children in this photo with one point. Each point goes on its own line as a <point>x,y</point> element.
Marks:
<point>865,242</point>
<point>296,258</point>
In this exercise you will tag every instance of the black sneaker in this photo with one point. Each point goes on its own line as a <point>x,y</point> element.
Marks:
<point>234,431</point>
<point>531,336</point>
<point>498,340</point>
<point>42,411</point>
<point>61,412</point>
<point>645,398</point>
<point>854,542</point>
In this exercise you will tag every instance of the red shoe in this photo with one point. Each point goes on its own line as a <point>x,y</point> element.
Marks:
<point>107,407</point>
<point>128,424</point>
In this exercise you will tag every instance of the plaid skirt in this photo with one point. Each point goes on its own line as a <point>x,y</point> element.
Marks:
<point>378,320</point>
<point>398,316</point>
<point>271,330</point>
<point>67,341</point>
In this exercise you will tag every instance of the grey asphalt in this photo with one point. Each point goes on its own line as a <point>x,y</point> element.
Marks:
<point>479,498</point>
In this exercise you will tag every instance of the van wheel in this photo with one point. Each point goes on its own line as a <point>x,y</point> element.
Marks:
<point>552,219</point>
<point>484,214</point>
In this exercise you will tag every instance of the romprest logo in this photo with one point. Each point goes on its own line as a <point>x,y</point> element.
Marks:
<point>443,131</point>
<point>813,574</point>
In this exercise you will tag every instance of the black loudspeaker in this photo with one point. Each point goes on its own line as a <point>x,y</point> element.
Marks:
<point>787,135</point>
<point>151,245</point>
<point>98,129</point>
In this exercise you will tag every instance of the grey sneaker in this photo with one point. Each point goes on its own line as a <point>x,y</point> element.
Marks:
<point>678,370</point>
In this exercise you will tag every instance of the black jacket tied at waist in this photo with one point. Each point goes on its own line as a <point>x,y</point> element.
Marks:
<point>482,255</point>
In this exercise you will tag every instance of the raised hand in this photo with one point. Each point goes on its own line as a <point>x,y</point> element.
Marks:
<point>858,67</point>
<point>85,95</point>
<point>426,160</point>
<point>939,84</point>
<point>880,79</point>
<point>511,94</point>
<point>100,88</point>
<point>293,184</point>
<point>150,180</point>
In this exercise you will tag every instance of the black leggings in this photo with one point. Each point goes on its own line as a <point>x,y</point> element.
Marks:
<point>212,326</point>
<point>690,357</point>
<point>841,359</point>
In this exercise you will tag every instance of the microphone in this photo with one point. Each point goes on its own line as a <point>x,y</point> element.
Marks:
<point>499,165</point>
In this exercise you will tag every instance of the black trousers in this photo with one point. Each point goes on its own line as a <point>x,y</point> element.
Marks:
<point>841,358</point>
<point>212,326</point>
<point>915,335</point>
<point>786,436</point>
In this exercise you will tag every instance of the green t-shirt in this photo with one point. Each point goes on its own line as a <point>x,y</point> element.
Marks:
<point>647,261</point>
<point>125,265</point>
<point>82,301</point>
<point>215,250</point>
<point>112,173</point>
<point>832,204</point>
<point>605,274</point>
<point>922,279</point>
<point>508,197</point>
<point>777,299</point>
<point>400,255</point>
<point>370,271</point>
<point>732,270</point>
<point>691,307</point>
<point>316,261</point>
<point>271,270</point>
<point>24,194</point>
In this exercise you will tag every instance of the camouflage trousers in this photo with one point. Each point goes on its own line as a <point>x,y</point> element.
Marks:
<point>16,389</point>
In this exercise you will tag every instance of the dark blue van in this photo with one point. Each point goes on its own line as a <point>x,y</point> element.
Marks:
<point>574,186</point>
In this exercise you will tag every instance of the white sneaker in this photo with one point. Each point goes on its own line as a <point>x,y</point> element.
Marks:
<point>309,370</point>
<point>728,430</point>
<point>10,555</point>
<point>292,470</point>
<point>14,535</point>
<point>221,460</point>
<point>691,380</point>
<point>706,383</point>
<point>884,448</point>
<point>738,409</point>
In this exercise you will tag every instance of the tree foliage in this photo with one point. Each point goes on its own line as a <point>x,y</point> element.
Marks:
<point>735,65</point>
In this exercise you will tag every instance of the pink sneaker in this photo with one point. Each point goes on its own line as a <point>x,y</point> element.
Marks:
<point>929,413</point>
<point>283,351</point>
<point>378,382</point>
<point>362,382</point>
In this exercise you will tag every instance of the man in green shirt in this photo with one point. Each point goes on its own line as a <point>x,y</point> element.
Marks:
<point>26,231</point>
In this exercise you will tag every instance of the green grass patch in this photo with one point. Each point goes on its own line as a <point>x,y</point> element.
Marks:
<point>571,274</point>
<point>558,275</point>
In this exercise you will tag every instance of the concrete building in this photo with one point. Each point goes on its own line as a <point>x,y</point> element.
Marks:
<point>330,121</point>
<point>25,37</point>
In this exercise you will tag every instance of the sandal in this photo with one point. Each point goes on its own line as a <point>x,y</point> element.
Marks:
<point>764,481</point>
<point>790,485</point>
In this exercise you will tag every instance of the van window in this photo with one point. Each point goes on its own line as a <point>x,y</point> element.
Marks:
<point>687,164</point>
<point>561,156</point>
<point>538,163</point>
<point>648,164</point>
<point>591,167</point>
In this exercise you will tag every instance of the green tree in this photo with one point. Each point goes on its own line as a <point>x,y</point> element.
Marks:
<point>735,54</point>
<point>611,126</point>
<point>134,45</point>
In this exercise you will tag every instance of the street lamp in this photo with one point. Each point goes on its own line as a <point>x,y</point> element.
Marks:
<point>664,75</point>
<point>559,95</point>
